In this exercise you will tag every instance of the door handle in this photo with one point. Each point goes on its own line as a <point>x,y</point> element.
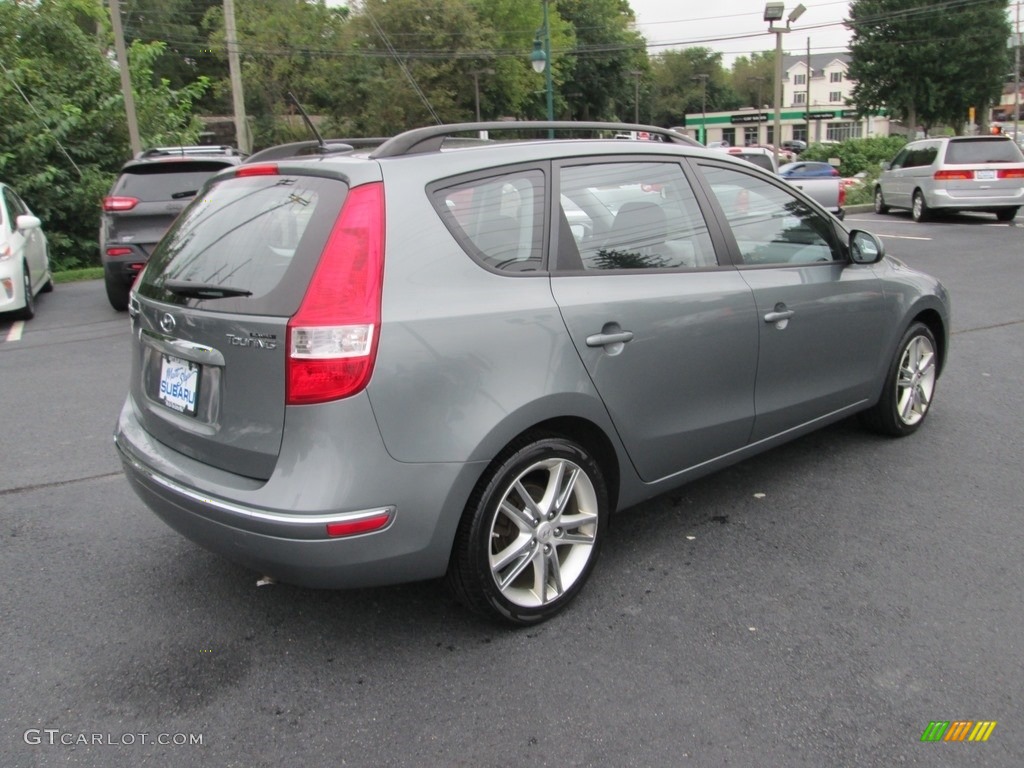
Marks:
<point>777,315</point>
<point>604,339</point>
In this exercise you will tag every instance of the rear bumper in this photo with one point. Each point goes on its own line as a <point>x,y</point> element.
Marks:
<point>975,200</point>
<point>278,527</point>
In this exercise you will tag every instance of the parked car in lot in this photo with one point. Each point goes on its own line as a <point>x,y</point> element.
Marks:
<point>151,190</point>
<point>807,169</point>
<point>24,256</point>
<point>962,173</point>
<point>359,367</point>
<point>794,145</point>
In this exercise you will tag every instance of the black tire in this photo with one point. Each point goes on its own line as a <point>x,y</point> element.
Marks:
<point>563,481</point>
<point>919,210</point>
<point>47,286</point>
<point>909,388</point>
<point>117,292</point>
<point>29,310</point>
<point>880,206</point>
<point>1006,214</point>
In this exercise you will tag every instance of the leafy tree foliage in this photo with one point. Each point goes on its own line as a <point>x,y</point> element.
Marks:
<point>927,60</point>
<point>678,90</point>
<point>609,55</point>
<point>64,133</point>
<point>753,79</point>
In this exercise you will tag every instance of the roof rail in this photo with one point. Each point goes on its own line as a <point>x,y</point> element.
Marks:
<point>312,147</point>
<point>196,149</point>
<point>431,138</point>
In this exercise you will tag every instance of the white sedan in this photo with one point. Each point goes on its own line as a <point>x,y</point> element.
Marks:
<point>24,259</point>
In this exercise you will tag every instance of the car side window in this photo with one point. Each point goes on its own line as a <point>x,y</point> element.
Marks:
<point>900,161</point>
<point>771,225</point>
<point>15,207</point>
<point>631,215</point>
<point>497,219</point>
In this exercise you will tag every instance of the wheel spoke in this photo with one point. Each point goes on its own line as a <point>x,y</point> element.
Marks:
<point>563,498</point>
<point>547,573</point>
<point>519,548</point>
<point>527,556</point>
<point>522,519</point>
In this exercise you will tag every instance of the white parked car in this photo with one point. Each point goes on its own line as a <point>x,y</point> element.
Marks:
<point>24,258</point>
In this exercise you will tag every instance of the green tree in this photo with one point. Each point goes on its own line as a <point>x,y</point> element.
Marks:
<point>64,131</point>
<point>927,61</point>
<point>609,55</point>
<point>678,90</point>
<point>753,79</point>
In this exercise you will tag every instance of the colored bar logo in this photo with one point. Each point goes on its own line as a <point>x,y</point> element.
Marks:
<point>958,730</point>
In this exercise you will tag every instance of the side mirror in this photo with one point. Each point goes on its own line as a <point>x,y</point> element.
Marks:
<point>25,221</point>
<point>865,248</point>
<point>886,165</point>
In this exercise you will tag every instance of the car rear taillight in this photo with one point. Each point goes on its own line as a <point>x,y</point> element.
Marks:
<point>354,527</point>
<point>332,338</point>
<point>1011,173</point>
<point>119,251</point>
<point>119,203</point>
<point>269,169</point>
<point>842,195</point>
<point>954,175</point>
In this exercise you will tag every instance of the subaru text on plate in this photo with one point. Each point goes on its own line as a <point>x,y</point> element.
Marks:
<point>451,356</point>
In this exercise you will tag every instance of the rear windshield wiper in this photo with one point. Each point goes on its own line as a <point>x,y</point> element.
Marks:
<point>194,290</point>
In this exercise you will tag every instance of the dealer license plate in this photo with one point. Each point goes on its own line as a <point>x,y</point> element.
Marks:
<point>985,175</point>
<point>179,384</point>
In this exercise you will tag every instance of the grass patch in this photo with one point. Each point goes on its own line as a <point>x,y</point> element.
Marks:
<point>74,275</point>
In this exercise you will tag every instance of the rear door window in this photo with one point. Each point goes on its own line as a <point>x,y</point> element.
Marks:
<point>632,215</point>
<point>259,235</point>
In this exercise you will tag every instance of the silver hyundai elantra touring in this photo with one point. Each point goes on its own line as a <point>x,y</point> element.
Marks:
<point>445,356</point>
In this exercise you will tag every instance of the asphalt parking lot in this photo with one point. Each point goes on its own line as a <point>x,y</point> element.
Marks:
<point>820,605</point>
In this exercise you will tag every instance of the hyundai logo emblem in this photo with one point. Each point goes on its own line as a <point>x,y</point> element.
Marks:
<point>167,323</point>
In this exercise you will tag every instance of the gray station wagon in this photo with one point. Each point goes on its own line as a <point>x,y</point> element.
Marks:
<point>447,356</point>
<point>961,173</point>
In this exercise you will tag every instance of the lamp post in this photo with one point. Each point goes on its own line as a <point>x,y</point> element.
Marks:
<point>773,12</point>
<point>759,79</point>
<point>540,59</point>
<point>703,106</point>
<point>476,87</point>
<point>637,74</point>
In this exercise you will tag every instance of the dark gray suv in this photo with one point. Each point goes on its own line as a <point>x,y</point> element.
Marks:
<point>149,193</point>
<point>355,367</point>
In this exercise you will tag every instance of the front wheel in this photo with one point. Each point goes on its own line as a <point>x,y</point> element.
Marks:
<point>530,534</point>
<point>909,385</point>
<point>29,310</point>
<point>880,206</point>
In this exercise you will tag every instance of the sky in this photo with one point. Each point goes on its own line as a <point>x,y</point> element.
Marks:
<point>737,27</point>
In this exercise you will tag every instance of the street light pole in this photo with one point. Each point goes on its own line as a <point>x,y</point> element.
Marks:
<point>703,106</point>
<point>540,59</point>
<point>636,95</point>
<point>759,79</point>
<point>773,11</point>
<point>476,87</point>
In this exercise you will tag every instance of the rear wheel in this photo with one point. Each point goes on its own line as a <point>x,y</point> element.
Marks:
<point>117,292</point>
<point>919,208</point>
<point>909,385</point>
<point>1006,214</point>
<point>880,206</point>
<point>530,534</point>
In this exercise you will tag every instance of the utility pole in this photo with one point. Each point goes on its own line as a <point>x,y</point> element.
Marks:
<point>1016,81</point>
<point>807,99</point>
<point>235,72</point>
<point>126,78</point>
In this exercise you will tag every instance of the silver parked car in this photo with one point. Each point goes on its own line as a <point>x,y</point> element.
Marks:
<point>962,173</point>
<point>357,366</point>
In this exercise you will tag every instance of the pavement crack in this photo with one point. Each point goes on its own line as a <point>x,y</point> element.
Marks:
<point>56,483</point>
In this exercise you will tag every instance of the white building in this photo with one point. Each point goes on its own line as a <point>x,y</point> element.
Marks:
<point>820,81</point>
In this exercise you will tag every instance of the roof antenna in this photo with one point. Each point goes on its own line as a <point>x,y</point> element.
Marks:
<point>309,123</point>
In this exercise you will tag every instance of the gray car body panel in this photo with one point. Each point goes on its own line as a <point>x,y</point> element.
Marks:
<point>470,359</point>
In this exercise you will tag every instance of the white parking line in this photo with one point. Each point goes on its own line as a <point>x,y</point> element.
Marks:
<point>902,237</point>
<point>14,334</point>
